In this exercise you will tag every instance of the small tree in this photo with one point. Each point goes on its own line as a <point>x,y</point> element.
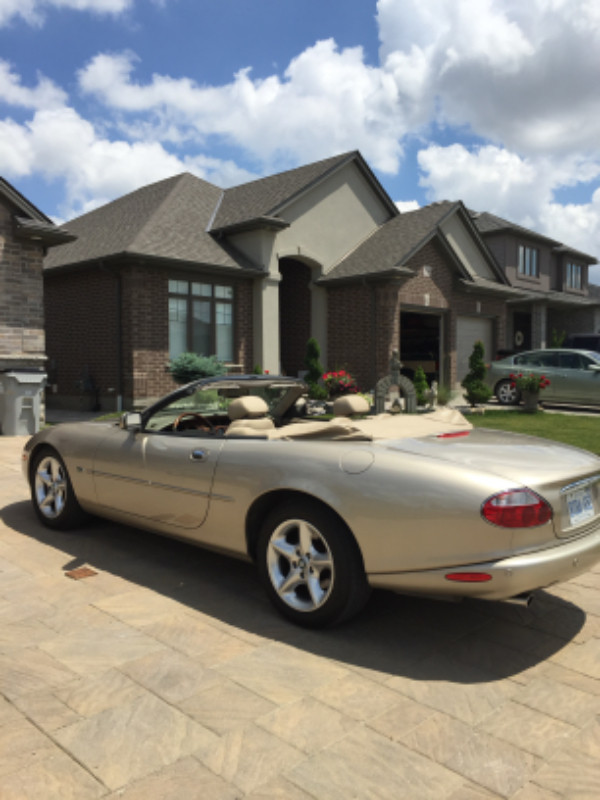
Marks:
<point>314,370</point>
<point>476,389</point>
<point>190,367</point>
<point>421,385</point>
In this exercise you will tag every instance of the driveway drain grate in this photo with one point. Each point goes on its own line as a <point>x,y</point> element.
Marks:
<point>80,572</point>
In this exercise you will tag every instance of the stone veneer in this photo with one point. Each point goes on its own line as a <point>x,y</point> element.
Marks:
<point>22,343</point>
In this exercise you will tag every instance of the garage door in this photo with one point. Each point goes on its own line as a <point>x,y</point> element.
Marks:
<point>469,331</point>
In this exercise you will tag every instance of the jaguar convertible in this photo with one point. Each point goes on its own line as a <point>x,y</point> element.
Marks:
<point>415,503</point>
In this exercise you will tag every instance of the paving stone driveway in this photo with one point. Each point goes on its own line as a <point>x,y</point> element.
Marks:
<point>167,676</point>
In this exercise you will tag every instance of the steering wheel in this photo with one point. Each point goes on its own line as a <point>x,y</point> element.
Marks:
<point>200,421</point>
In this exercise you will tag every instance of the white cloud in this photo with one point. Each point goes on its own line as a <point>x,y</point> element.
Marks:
<point>519,77</point>
<point>518,189</point>
<point>523,74</point>
<point>33,11</point>
<point>95,169</point>
<point>407,205</point>
<point>328,101</point>
<point>45,95</point>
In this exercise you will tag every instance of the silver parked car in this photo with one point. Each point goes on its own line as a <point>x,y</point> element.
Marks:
<point>574,376</point>
<point>327,509</point>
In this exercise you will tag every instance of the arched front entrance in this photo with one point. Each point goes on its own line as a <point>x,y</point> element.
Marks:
<point>294,314</point>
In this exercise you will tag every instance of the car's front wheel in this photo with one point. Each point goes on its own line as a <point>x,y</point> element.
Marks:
<point>310,565</point>
<point>52,493</point>
<point>507,393</point>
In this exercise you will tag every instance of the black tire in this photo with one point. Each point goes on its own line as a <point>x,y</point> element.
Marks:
<point>52,494</point>
<point>507,394</point>
<point>323,582</point>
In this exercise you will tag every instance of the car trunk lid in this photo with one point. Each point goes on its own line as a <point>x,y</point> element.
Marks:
<point>567,477</point>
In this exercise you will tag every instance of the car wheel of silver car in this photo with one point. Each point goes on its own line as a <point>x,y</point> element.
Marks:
<point>52,494</point>
<point>310,565</point>
<point>507,394</point>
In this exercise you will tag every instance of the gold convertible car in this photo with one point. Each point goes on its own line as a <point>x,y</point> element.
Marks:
<point>416,503</point>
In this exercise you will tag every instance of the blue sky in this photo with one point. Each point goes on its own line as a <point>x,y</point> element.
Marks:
<point>495,102</point>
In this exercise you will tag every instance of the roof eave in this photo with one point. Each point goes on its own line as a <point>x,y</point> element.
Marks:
<point>491,288</point>
<point>267,223</point>
<point>126,258</point>
<point>47,233</point>
<point>395,273</point>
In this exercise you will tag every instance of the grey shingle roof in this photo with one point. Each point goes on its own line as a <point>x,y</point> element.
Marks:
<point>174,218</point>
<point>490,223</point>
<point>264,197</point>
<point>167,220</point>
<point>390,246</point>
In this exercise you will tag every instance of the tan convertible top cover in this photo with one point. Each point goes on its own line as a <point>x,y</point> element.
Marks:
<point>383,426</point>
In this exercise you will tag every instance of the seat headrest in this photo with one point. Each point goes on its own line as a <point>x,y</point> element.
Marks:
<point>248,407</point>
<point>349,404</point>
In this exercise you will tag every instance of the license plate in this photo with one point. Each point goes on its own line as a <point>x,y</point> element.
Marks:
<point>580,505</point>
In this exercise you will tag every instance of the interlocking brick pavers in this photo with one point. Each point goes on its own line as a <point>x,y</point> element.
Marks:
<point>166,674</point>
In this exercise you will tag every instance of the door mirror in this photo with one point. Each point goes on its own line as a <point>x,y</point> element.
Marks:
<point>131,421</point>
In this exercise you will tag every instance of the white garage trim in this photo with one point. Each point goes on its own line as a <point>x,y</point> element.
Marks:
<point>468,331</point>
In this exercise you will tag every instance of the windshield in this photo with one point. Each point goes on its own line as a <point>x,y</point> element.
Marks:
<point>212,402</point>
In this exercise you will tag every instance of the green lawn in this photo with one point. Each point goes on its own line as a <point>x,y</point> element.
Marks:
<point>580,431</point>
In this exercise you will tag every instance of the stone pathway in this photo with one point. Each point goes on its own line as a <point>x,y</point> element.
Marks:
<point>167,675</point>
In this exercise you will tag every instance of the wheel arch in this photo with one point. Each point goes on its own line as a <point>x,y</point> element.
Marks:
<point>33,453</point>
<point>264,504</point>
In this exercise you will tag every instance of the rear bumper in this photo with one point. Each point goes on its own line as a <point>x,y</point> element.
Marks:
<point>509,577</point>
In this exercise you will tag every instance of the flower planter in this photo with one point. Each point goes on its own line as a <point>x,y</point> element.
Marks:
<point>530,401</point>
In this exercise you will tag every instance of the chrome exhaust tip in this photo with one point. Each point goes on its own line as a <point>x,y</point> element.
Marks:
<point>524,600</point>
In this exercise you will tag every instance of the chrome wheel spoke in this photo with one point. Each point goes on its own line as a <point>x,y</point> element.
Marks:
<point>290,582</point>
<point>315,589</point>
<point>306,538</point>
<point>284,548</point>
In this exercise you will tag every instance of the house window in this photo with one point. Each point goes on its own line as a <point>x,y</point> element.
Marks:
<point>529,261</point>
<point>574,276</point>
<point>201,319</point>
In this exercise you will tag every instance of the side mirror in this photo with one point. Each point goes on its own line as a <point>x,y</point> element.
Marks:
<point>594,367</point>
<point>131,421</point>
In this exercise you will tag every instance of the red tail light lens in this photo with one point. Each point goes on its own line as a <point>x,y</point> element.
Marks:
<point>518,508</point>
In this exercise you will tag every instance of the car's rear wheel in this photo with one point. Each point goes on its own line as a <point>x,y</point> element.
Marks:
<point>310,565</point>
<point>52,493</point>
<point>507,393</point>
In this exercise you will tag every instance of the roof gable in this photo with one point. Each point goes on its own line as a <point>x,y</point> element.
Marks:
<point>263,199</point>
<point>389,249</point>
<point>489,224</point>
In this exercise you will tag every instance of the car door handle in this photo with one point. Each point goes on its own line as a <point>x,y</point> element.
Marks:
<point>199,455</point>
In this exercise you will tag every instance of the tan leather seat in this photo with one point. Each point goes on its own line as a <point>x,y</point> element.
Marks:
<point>349,405</point>
<point>248,417</point>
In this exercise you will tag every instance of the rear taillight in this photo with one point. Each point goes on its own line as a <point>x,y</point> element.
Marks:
<point>517,508</point>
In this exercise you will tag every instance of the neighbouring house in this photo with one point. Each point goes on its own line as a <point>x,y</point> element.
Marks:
<point>251,272</point>
<point>556,297</point>
<point>25,236</point>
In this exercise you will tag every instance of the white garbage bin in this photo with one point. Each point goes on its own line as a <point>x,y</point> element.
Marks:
<point>20,402</point>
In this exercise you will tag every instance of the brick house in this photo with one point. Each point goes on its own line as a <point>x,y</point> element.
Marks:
<point>556,296</point>
<point>25,236</point>
<point>250,273</point>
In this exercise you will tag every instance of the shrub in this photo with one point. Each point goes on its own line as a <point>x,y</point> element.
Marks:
<point>477,391</point>
<point>421,385</point>
<point>312,362</point>
<point>190,367</point>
